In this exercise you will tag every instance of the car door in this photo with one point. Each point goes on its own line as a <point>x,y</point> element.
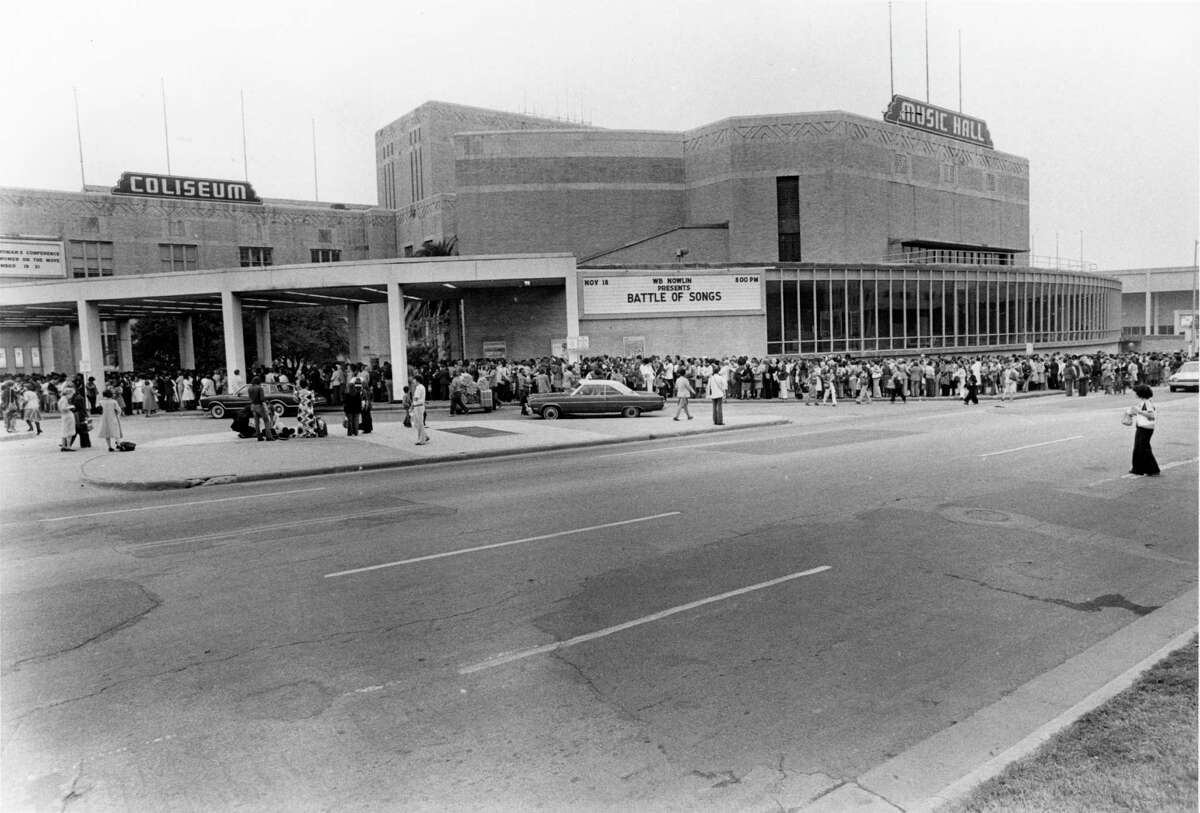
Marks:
<point>587,400</point>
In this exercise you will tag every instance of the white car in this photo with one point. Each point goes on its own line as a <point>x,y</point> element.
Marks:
<point>1186,377</point>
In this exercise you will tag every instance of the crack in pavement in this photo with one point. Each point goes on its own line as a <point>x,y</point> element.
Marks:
<point>267,648</point>
<point>1095,605</point>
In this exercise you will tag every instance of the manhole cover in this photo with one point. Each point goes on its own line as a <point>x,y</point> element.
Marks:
<point>977,516</point>
<point>476,431</point>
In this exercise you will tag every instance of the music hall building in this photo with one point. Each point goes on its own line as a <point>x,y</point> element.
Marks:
<point>773,234</point>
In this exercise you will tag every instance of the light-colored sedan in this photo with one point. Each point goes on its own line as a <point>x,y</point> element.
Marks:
<point>1186,377</point>
<point>595,397</point>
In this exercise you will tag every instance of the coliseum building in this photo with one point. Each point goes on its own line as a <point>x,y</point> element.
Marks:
<point>781,234</point>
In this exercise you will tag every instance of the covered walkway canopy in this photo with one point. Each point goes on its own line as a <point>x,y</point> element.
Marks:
<point>230,292</point>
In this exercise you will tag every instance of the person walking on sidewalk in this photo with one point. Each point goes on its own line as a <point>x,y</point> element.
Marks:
<point>31,404</point>
<point>67,420</point>
<point>718,385</point>
<point>683,391</point>
<point>416,391</point>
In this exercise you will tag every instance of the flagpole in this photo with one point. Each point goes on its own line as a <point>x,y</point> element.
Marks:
<point>891,58</point>
<point>79,138</point>
<point>245,161</point>
<point>316,189</point>
<point>166,134</point>
<point>927,51</point>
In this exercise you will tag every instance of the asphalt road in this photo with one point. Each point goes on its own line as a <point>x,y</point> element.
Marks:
<point>631,627</point>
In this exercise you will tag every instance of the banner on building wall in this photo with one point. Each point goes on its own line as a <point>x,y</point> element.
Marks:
<point>32,258</point>
<point>495,350</point>
<point>659,293</point>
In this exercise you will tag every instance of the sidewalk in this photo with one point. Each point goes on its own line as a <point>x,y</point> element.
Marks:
<point>214,455</point>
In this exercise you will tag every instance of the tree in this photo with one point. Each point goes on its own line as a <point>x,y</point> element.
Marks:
<point>304,335</point>
<point>446,247</point>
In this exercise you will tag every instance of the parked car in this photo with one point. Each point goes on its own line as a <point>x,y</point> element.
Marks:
<point>280,398</point>
<point>594,397</point>
<point>1186,377</point>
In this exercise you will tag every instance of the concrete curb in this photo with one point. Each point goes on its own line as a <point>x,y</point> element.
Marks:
<point>196,481</point>
<point>951,763</point>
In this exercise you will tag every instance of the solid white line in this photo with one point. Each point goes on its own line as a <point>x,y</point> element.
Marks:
<point>500,660</point>
<point>1032,446</point>
<point>182,504</point>
<point>462,551</point>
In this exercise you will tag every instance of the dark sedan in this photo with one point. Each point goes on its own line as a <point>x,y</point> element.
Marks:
<point>280,398</point>
<point>595,398</point>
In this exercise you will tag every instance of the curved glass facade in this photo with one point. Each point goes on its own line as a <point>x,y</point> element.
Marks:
<point>859,309</point>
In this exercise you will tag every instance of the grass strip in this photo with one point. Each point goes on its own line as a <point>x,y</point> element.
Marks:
<point>1137,752</point>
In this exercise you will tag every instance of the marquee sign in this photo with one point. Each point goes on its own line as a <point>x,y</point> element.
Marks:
<point>937,120</point>
<point>32,258</point>
<point>173,186</point>
<point>671,293</point>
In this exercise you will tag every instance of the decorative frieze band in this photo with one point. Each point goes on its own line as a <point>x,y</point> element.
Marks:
<point>891,137</point>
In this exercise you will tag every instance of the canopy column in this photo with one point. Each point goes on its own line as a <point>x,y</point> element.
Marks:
<point>397,339</point>
<point>125,345</point>
<point>354,340</point>
<point>262,337</point>
<point>235,340</point>
<point>91,350</point>
<point>187,345</point>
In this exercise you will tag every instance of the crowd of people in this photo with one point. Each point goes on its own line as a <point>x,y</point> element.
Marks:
<point>354,387</point>
<point>815,379</point>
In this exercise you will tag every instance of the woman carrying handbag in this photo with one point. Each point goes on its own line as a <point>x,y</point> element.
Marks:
<point>1142,417</point>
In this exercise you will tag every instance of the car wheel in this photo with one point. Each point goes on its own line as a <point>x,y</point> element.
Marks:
<point>630,412</point>
<point>216,411</point>
<point>551,413</point>
<point>278,409</point>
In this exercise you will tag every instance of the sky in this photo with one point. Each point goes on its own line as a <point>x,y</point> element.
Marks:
<point>1103,99</point>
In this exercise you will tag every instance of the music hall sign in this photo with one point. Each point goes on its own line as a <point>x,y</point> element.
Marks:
<point>147,185</point>
<point>938,120</point>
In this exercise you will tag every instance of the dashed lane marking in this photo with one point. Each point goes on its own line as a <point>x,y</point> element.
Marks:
<point>500,660</point>
<point>1031,446</point>
<point>463,551</point>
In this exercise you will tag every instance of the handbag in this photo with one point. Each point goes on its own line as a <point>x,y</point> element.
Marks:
<point>408,421</point>
<point>1127,419</point>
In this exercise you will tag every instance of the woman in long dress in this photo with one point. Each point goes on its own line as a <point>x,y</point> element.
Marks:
<point>1143,414</point>
<point>149,398</point>
<point>306,411</point>
<point>67,421</point>
<point>110,419</point>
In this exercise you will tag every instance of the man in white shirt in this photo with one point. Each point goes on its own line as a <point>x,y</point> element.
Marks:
<point>718,385</point>
<point>416,391</point>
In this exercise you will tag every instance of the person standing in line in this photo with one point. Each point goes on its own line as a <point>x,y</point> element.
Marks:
<point>683,391</point>
<point>80,404</point>
<point>971,383</point>
<point>263,427</point>
<point>110,419</point>
<point>67,420</point>
<point>352,406</point>
<point>416,391</point>
<point>718,385</point>
<point>1143,414</point>
<point>31,408</point>
<point>306,416</point>
<point>149,398</point>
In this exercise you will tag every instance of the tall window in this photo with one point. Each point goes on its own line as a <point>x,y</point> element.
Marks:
<point>175,257</point>
<point>255,256</point>
<point>326,255</point>
<point>787,198</point>
<point>91,258</point>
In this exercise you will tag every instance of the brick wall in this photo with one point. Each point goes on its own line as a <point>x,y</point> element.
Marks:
<point>527,320</point>
<point>682,335</point>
